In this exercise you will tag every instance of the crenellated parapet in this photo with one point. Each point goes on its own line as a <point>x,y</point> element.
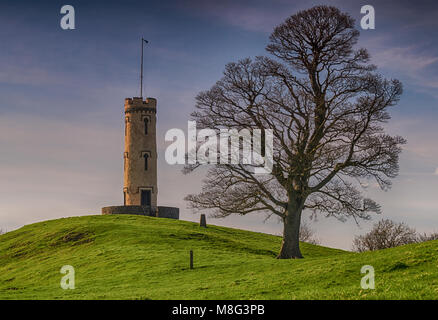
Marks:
<point>137,104</point>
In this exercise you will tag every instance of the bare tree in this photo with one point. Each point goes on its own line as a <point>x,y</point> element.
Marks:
<point>389,234</point>
<point>326,107</point>
<point>307,234</point>
<point>385,234</point>
<point>423,237</point>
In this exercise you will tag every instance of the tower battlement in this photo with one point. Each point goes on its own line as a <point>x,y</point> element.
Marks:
<point>138,104</point>
<point>138,101</point>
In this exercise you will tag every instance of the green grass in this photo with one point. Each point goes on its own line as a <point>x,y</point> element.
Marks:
<point>135,257</point>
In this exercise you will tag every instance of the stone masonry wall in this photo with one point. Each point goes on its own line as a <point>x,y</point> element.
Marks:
<point>160,211</point>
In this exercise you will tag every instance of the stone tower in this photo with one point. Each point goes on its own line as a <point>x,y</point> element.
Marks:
<point>140,188</point>
<point>140,156</point>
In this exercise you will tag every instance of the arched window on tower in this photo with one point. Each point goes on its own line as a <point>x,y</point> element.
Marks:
<point>145,156</point>
<point>146,122</point>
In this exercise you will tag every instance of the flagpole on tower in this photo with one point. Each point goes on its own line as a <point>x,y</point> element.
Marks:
<point>143,41</point>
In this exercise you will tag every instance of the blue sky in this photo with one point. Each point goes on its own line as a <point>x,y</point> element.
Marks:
<point>62,94</point>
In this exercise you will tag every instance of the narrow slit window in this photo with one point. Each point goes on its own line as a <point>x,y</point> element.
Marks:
<point>146,122</point>
<point>146,156</point>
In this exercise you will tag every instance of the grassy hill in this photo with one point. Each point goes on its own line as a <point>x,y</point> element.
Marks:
<point>135,257</point>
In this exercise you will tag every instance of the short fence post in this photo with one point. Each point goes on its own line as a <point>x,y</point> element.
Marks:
<point>191,259</point>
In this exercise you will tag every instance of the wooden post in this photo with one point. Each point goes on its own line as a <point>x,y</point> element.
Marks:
<point>203,222</point>
<point>191,259</point>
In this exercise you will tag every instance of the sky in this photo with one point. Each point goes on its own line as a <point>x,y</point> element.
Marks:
<point>62,94</point>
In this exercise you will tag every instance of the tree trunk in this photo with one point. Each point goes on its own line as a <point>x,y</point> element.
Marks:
<point>290,246</point>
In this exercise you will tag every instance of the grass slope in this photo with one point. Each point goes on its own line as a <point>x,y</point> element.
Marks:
<point>135,257</point>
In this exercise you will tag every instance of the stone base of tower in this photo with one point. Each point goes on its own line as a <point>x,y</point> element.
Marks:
<point>159,212</point>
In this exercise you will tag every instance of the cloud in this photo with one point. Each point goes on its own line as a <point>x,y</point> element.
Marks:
<point>31,75</point>
<point>411,62</point>
<point>250,16</point>
<point>407,59</point>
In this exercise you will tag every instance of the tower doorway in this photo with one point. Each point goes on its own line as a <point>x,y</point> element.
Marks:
<point>145,198</point>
